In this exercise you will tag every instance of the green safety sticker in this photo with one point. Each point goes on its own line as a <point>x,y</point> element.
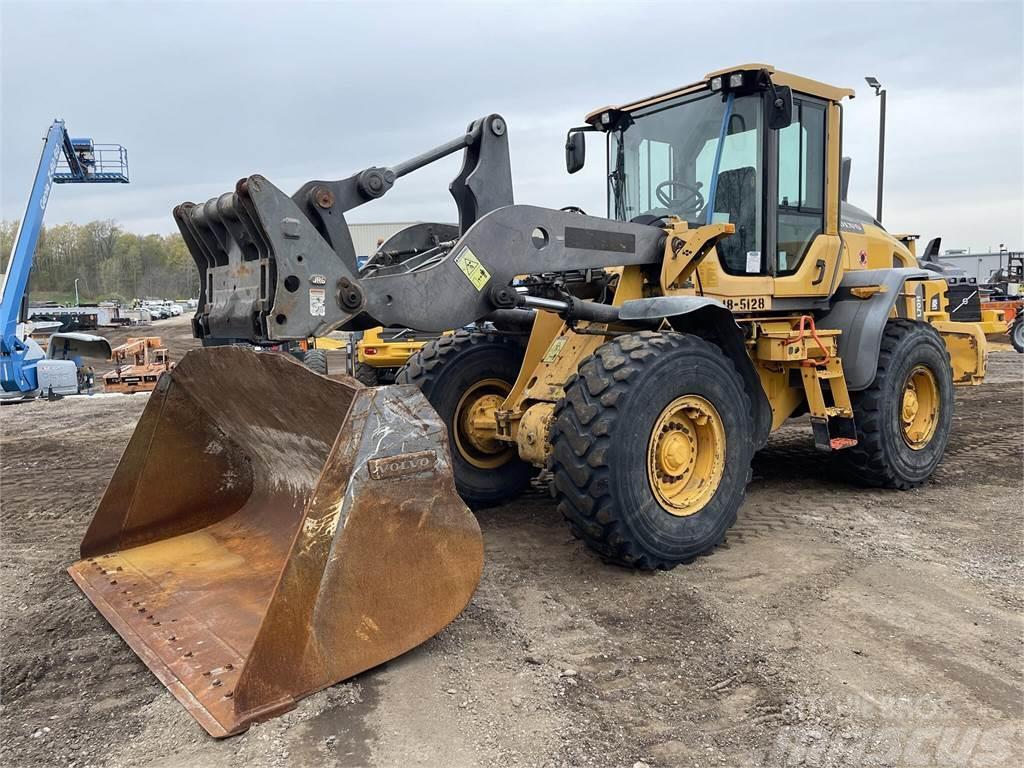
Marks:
<point>472,268</point>
<point>554,350</point>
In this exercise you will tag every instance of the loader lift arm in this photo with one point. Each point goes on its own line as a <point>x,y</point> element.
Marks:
<point>230,235</point>
<point>276,267</point>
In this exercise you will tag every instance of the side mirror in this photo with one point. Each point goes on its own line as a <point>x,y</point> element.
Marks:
<point>780,108</point>
<point>575,151</point>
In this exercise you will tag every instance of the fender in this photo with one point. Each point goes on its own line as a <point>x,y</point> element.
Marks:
<point>709,319</point>
<point>862,321</point>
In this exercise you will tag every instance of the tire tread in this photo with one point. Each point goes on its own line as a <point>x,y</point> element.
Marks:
<point>581,436</point>
<point>866,461</point>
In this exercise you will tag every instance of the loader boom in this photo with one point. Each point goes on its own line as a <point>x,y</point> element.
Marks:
<point>247,293</point>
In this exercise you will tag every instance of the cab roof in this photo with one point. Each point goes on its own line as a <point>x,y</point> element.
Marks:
<point>796,82</point>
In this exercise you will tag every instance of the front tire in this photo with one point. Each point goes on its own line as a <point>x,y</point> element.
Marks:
<point>464,376</point>
<point>903,419</point>
<point>651,449</point>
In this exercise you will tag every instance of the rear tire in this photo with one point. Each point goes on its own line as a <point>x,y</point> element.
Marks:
<point>609,447</point>
<point>366,374</point>
<point>316,361</point>
<point>890,453</point>
<point>1017,332</point>
<point>454,372</point>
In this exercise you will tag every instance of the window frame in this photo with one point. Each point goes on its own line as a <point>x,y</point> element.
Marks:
<point>773,208</point>
<point>798,104</point>
<point>770,179</point>
<point>653,109</point>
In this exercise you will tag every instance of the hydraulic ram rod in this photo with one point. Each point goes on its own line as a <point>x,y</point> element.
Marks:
<point>578,309</point>
<point>430,156</point>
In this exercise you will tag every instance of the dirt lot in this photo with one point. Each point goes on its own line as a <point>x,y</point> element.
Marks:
<point>838,626</point>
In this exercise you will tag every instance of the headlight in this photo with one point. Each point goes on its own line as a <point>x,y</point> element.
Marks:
<point>736,80</point>
<point>716,83</point>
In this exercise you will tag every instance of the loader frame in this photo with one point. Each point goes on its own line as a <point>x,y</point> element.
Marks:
<point>511,263</point>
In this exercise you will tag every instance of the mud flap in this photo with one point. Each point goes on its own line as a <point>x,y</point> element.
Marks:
<point>270,532</point>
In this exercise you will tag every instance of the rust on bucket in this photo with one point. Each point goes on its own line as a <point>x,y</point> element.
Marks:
<point>269,532</point>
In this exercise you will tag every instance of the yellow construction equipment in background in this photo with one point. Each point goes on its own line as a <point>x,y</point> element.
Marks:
<point>378,354</point>
<point>373,357</point>
<point>641,358</point>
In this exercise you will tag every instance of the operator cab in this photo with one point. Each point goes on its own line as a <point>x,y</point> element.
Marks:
<point>747,146</point>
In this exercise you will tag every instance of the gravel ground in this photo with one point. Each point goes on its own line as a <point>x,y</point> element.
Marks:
<point>837,626</point>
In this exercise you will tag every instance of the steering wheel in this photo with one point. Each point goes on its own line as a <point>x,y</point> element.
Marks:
<point>573,209</point>
<point>683,205</point>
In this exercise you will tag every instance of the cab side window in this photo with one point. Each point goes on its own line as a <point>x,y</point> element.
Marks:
<point>655,165</point>
<point>738,189</point>
<point>801,201</point>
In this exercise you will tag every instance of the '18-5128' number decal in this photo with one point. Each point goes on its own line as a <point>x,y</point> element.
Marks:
<point>747,303</point>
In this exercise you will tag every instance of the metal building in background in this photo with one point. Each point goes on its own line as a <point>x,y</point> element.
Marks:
<point>366,236</point>
<point>977,265</point>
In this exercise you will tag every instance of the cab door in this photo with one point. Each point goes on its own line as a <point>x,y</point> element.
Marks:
<point>805,208</point>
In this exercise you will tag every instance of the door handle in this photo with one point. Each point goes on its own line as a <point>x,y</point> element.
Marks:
<point>820,264</point>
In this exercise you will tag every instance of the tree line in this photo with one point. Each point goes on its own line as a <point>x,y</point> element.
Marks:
<point>108,262</point>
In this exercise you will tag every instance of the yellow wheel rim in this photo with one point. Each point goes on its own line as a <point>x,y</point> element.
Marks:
<point>476,428</point>
<point>686,455</point>
<point>919,408</point>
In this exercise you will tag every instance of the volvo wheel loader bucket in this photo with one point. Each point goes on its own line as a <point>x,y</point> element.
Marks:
<point>269,532</point>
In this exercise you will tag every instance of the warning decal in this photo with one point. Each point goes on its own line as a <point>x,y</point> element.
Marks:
<point>317,302</point>
<point>472,268</point>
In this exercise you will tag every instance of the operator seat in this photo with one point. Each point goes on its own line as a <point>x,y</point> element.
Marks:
<point>736,195</point>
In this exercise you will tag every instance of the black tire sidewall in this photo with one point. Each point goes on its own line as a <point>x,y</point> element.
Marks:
<point>366,374</point>
<point>661,534</point>
<point>1017,334</point>
<point>919,347</point>
<point>444,388</point>
<point>316,361</point>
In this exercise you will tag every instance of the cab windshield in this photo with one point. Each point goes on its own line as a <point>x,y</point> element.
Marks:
<point>662,161</point>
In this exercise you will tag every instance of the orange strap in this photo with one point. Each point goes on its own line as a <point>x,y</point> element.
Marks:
<point>805,321</point>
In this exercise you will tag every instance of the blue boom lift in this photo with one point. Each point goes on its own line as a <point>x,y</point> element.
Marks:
<point>24,369</point>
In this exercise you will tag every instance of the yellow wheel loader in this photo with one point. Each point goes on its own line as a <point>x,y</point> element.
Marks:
<point>270,531</point>
<point>376,356</point>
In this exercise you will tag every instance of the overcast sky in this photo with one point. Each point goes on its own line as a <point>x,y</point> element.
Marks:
<point>202,94</point>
